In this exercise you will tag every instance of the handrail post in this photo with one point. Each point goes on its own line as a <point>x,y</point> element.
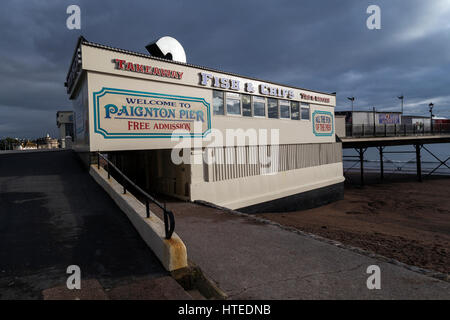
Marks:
<point>166,227</point>
<point>169,219</point>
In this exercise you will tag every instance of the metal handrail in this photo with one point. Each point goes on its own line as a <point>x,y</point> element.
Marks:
<point>394,130</point>
<point>169,219</point>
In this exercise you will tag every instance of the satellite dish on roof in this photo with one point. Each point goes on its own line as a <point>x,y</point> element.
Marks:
<point>167,48</point>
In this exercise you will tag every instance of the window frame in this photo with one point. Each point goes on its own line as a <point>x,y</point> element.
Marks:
<point>223,103</point>
<point>309,111</point>
<point>237,99</point>
<point>251,105</point>
<point>278,108</point>
<point>287,104</point>
<point>265,107</point>
<point>299,114</point>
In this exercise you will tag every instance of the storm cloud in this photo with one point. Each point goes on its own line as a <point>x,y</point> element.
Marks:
<point>319,45</point>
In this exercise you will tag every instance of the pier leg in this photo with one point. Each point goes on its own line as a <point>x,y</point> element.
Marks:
<point>418,163</point>
<point>381,163</point>
<point>361,159</point>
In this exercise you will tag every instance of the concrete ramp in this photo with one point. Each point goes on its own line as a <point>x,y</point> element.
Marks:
<point>52,215</point>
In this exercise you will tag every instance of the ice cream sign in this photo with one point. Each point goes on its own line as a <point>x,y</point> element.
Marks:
<point>322,123</point>
<point>120,114</point>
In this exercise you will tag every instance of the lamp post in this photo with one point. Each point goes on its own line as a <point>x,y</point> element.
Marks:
<point>401,98</point>
<point>374,123</point>
<point>431,105</point>
<point>351,99</point>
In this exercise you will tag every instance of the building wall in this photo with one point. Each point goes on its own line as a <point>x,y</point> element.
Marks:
<point>82,117</point>
<point>101,74</point>
<point>246,191</point>
<point>244,176</point>
<point>290,131</point>
<point>366,118</point>
<point>340,126</point>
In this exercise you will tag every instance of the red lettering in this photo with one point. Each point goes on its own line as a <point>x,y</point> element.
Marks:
<point>119,63</point>
<point>130,66</point>
<point>139,67</point>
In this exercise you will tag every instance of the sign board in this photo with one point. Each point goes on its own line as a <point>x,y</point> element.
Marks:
<point>322,123</point>
<point>388,118</point>
<point>123,114</point>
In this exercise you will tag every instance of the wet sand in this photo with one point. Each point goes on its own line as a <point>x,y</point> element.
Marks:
<point>399,218</point>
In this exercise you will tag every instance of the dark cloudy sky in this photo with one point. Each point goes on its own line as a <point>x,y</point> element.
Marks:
<point>317,44</point>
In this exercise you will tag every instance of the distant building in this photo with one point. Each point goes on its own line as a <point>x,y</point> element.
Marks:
<point>64,121</point>
<point>420,122</point>
<point>440,120</point>
<point>367,117</point>
<point>29,146</point>
<point>47,143</point>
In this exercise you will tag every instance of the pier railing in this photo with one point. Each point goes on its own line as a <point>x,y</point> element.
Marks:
<point>394,130</point>
<point>127,184</point>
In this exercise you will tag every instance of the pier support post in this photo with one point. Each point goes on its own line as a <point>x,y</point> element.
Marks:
<point>361,159</point>
<point>418,163</point>
<point>381,163</point>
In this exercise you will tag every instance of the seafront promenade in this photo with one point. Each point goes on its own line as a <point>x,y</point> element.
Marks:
<point>54,215</point>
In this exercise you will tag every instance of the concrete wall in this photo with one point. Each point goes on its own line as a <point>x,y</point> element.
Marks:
<point>290,170</point>
<point>171,252</point>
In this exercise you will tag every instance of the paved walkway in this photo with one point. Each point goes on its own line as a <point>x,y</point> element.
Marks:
<point>52,215</point>
<point>251,260</point>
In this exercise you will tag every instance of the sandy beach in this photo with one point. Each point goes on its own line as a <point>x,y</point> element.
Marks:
<point>399,218</point>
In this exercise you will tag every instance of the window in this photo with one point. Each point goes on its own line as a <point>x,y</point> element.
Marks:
<point>259,107</point>
<point>246,105</point>
<point>272,108</point>
<point>233,103</point>
<point>218,102</point>
<point>295,110</point>
<point>305,111</point>
<point>285,109</point>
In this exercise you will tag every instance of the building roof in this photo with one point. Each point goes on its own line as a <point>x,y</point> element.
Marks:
<point>366,111</point>
<point>416,116</point>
